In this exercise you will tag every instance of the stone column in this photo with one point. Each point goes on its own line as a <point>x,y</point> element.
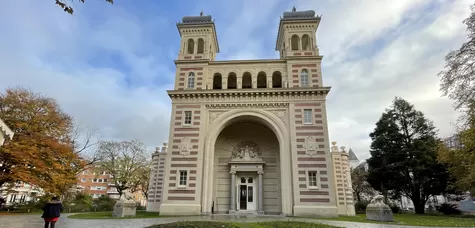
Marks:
<point>232,206</point>
<point>260,201</point>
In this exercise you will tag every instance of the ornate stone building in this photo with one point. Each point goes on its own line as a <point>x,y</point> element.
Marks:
<point>249,136</point>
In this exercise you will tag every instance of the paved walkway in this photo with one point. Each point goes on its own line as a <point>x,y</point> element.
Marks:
<point>34,221</point>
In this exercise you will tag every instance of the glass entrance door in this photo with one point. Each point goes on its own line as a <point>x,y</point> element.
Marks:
<point>246,191</point>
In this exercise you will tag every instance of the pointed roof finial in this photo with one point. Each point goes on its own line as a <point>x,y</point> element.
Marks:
<point>201,13</point>
<point>294,9</point>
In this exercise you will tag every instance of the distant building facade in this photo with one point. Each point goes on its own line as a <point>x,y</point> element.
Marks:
<point>96,183</point>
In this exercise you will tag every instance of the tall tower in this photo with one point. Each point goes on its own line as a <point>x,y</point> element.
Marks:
<point>198,38</point>
<point>297,34</point>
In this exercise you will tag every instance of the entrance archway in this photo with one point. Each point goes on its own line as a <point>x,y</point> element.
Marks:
<point>248,150</point>
<point>272,122</point>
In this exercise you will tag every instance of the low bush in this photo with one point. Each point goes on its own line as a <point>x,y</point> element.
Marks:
<point>395,209</point>
<point>448,209</point>
<point>360,207</point>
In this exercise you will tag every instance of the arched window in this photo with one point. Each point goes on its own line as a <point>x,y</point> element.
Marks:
<point>305,42</point>
<point>191,46</point>
<point>277,80</point>
<point>304,78</point>
<point>295,42</point>
<point>191,80</point>
<point>232,81</point>
<point>201,46</point>
<point>217,81</point>
<point>247,81</point>
<point>261,80</point>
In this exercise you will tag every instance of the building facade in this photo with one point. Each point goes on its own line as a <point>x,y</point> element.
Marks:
<point>157,175</point>
<point>251,136</point>
<point>96,184</point>
<point>5,132</point>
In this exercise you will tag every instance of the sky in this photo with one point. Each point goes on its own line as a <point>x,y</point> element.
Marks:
<point>109,66</point>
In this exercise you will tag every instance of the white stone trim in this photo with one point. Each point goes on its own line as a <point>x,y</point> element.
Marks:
<point>317,187</point>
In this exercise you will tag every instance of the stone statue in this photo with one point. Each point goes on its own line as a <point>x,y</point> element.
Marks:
<point>377,210</point>
<point>379,199</point>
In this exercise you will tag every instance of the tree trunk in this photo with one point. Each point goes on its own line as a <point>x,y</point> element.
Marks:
<point>418,204</point>
<point>358,196</point>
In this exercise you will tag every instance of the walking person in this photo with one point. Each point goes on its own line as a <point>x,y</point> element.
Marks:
<point>52,209</point>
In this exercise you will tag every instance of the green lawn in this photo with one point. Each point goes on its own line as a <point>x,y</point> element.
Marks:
<point>282,224</point>
<point>415,220</point>
<point>108,215</point>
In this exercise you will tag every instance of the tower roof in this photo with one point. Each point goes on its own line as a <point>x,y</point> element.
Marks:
<point>299,15</point>
<point>201,20</point>
<point>197,19</point>
<point>352,155</point>
<point>295,16</point>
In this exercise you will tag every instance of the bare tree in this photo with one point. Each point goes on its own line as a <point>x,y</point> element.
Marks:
<point>122,160</point>
<point>84,143</point>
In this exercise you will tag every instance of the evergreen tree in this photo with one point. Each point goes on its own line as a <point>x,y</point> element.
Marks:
<point>404,155</point>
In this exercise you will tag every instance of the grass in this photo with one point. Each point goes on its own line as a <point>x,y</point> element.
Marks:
<point>415,220</point>
<point>282,224</point>
<point>108,215</point>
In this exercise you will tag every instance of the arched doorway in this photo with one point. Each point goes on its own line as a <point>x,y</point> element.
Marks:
<point>247,169</point>
<point>259,117</point>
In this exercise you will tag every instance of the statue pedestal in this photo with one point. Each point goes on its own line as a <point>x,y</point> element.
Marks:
<point>125,208</point>
<point>377,210</point>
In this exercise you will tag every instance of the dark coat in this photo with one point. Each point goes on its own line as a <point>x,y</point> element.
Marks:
<point>52,209</point>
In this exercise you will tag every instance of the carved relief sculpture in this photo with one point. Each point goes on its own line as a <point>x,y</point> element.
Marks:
<point>185,147</point>
<point>311,146</point>
<point>246,151</point>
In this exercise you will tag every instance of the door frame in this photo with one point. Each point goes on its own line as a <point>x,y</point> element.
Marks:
<point>238,184</point>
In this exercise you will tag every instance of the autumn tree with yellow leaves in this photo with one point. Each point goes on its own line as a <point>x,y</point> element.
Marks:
<point>45,149</point>
<point>458,83</point>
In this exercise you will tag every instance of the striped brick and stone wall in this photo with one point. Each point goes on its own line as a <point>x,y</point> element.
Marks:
<point>314,79</point>
<point>183,136</point>
<point>182,77</point>
<point>157,175</point>
<point>344,193</point>
<point>315,160</point>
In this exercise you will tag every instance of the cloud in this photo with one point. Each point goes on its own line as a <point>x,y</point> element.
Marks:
<point>109,65</point>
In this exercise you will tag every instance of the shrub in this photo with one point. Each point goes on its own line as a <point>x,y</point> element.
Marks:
<point>360,207</point>
<point>449,209</point>
<point>395,209</point>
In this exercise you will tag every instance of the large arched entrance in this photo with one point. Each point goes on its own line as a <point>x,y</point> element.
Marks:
<point>247,169</point>
<point>226,141</point>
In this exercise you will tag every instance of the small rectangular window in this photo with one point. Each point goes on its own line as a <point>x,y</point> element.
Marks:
<point>183,178</point>
<point>83,180</point>
<point>307,116</point>
<point>187,118</point>
<point>312,179</point>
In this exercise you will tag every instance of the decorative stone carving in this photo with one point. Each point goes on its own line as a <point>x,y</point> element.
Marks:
<point>246,151</point>
<point>311,146</point>
<point>334,147</point>
<point>378,210</point>
<point>248,105</point>
<point>281,114</point>
<point>214,115</point>
<point>185,146</point>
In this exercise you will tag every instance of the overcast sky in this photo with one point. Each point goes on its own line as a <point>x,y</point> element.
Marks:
<point>109,65</point>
